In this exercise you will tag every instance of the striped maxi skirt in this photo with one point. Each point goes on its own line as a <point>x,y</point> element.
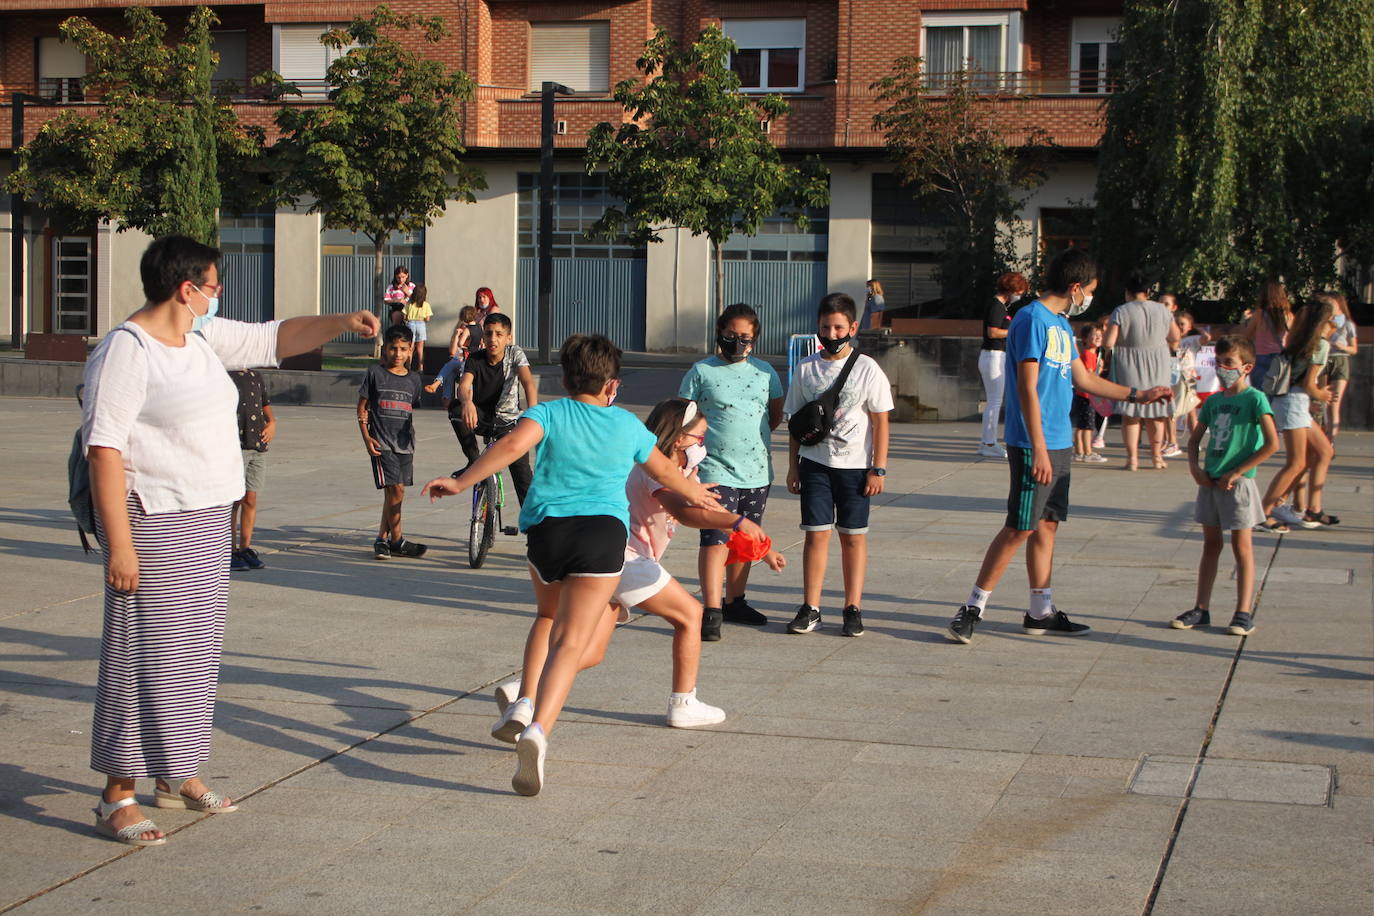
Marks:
<point>160,647</point>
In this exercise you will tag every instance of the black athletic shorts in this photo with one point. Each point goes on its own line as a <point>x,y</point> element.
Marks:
<point>392,468</point>
<point>576,545</point>
<point>1028,501</point>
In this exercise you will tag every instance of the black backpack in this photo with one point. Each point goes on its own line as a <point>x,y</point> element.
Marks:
<point>814,421</point>
<point>79,496</point>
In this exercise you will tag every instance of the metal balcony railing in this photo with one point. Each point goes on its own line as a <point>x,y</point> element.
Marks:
<point>1035,83</point>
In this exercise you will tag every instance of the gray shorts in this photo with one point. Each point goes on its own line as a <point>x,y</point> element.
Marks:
<point>1292,410</point>
<point>254,470</point>
<point>1230,510</point>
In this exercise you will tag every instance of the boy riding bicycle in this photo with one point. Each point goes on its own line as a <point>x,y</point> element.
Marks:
<point>487,401</point>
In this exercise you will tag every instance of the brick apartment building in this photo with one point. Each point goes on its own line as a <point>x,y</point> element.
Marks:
<point>823,55</point>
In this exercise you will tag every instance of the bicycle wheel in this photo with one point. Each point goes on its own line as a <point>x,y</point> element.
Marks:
<point>480,533</point>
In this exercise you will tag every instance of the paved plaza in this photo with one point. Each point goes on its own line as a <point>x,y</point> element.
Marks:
<point>1140,769</point>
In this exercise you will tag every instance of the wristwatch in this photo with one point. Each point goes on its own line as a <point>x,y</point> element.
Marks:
<point>1131,397</point>
<point>881,472</point>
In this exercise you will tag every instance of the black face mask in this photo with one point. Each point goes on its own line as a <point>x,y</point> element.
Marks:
<point>733,349</point>
<point>834,345</point>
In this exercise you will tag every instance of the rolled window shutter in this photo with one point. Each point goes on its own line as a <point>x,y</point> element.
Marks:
<point>58,59</point>
<point>576,54</point>
<point>300,54</point>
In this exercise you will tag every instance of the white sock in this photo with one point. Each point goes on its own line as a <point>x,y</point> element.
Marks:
<point>979,599</point>
<point>683,696</point>
<point>1041,604</point>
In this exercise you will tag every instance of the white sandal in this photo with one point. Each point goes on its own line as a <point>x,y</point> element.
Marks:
<point>132,834</point>
<point>210,801</point>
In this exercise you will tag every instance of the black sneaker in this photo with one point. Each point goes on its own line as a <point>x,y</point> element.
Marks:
<point>853,622</point>
<point>381,550</point>
<point>962,626</point>
<point>1057,624</point>
<point>251,559</point>
<point>1242,624</point>
<point>737,610</point>
<point>236,562</point>
<point>1197,617</point>
<point>808,618</point>
<point>710,625</point>
<point>404,548</point>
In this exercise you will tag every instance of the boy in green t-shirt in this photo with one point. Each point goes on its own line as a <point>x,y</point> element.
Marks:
<point>1243,435</point>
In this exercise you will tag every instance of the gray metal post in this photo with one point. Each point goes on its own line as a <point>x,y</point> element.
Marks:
<point>548,91</point>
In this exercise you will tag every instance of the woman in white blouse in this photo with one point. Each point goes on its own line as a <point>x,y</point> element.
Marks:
<point>162,440</point>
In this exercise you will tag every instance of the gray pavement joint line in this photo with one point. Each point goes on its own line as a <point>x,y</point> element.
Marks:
<point>1206,745</point>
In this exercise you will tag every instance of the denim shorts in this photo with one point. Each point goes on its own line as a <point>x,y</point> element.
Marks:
<point>1293,410</point>
<point>833,498</point>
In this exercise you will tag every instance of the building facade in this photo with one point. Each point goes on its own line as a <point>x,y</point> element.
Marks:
<point>822,55</point>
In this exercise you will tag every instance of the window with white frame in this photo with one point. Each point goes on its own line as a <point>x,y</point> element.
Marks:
<point>61,65</point>
<point>576,54</point>
<point>1096,54</point>
<point>985,44</point>
<point>300,58</point>
<point>770,54</point>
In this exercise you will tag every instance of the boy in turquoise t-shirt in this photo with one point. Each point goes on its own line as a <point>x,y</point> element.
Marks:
<point>741,397</point>
<point>1243,435</point>
<point>576,518</point>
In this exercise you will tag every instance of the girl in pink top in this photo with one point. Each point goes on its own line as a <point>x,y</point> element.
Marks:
<point>655,513</point>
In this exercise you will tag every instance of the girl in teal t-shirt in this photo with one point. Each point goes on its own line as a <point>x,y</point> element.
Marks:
<point>576,519</point>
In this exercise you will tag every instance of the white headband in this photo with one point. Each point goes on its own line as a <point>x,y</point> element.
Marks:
<point>689,414</point>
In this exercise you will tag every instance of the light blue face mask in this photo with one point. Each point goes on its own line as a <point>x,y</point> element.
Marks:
<point>1338,321</point>
<point>198,322</point>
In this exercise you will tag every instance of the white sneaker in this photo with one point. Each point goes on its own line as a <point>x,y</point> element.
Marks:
<point>992,451</point>
<point>507,694</point>
<point>689,712</point>
<point>1173,451</point>
<point>1079,458</point>
<point>1094,458</point>
<point>513,721</point>
<point>529,751</point>
<point>1099,442</point>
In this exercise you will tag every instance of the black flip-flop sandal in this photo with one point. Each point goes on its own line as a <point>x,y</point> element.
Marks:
<point>1272,525</point>
<point>1321,518</point>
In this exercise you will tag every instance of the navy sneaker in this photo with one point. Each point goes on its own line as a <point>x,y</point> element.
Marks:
<point>737,610</point>
<point>381,549</point>
<point>1242,624</point>
<point>237,562</point>
<point>853,622</point>
<point>964,623</point>
<point>1057,624</point>
<point>808,619</point>
<point>404,548</point>
<point>1197,617</point>
<point>251,558</point>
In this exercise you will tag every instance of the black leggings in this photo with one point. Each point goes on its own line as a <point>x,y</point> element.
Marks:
<point>520,472</point>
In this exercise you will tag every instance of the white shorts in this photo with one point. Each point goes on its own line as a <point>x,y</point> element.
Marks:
<point>641,579</point>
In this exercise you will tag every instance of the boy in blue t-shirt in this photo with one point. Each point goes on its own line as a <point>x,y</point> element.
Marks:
<point>1042,370</point>
<point>576,517</point>
<point>741,397</point>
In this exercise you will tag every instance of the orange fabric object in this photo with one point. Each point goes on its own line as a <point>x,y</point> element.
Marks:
<point>744,549</point>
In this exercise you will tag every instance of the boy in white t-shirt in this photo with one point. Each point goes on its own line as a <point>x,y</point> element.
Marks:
<point>837,477</point>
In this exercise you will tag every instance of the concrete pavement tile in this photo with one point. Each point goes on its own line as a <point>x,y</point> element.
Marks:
<point>706,828</point>
<point>362,885</point>
<point>1354,785</point>
<point>730,754</point>
<point>681,794</point>
<point>1015,879</point>
<point>1039,818</point>
<point>919,810</point>
<point>819,872</point>
<point>558,811</point>
<point>499,904</point>
<point>606,891</point>
<point>1212,885</point>
<point>734,900</point>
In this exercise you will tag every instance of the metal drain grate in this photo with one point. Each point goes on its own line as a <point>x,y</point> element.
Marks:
<point>1235,780</point>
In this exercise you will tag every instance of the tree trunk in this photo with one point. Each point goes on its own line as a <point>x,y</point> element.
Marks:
<point>719,259</point>
<point>379,290</point>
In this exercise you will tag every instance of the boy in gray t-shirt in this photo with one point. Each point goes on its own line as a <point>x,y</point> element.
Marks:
<point>386,407</point>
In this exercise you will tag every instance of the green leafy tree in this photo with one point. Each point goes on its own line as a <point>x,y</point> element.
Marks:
<point>384,156</point>
<point>971,156</point>
<point>149,155</point>
<point>1237,149</point>
<point>694,156</point>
